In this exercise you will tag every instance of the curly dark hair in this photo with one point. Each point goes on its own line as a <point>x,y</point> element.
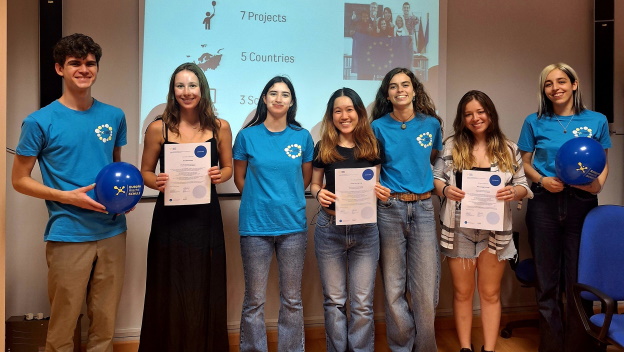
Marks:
<point>76,45</point>
<point>422,102</point>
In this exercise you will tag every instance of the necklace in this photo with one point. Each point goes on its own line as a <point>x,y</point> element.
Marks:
<point>403,125</point>
<point>565,129</point>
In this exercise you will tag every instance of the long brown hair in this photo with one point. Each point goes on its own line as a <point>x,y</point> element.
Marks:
<point>261,111</point>
<point>363,137</point>
<point>498,149</point>
<point>207,117</point>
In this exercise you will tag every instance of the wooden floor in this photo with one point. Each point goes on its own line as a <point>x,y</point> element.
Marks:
<point>522,340</point>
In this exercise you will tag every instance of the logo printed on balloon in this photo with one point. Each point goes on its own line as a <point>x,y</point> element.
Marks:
<point>580,160</point>
<point>581,167</point>
<point>119,187</point>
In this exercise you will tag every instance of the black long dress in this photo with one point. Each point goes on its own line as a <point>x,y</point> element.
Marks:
<point>185,293</point>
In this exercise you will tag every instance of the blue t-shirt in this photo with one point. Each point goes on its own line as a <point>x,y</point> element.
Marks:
<point>544,136</point>
<point>406,153</point>
<point>273,200</point>
<point>72,147</point>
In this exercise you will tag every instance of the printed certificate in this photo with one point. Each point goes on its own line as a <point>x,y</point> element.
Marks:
<point>355,196</point>
<point>480,209</point>
<point>187,165</point>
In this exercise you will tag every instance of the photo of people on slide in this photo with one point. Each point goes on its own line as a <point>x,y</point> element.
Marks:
<point>240,44</point>
<point>375,43</point>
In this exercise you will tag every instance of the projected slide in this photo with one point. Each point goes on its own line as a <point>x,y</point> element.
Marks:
<point>320,45</point>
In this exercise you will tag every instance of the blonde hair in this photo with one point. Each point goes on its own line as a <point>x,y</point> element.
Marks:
<point>545,107</point>
<point>498,149</point>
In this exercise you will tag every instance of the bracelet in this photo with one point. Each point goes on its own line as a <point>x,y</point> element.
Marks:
<point>444,189</point>
<point>316,196</point>
<point>540,180</point>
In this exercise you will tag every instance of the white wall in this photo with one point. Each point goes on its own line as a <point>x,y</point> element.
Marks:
<point>498,47</point>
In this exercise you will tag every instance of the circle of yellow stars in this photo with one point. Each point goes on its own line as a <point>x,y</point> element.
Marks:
<point>104,133</point>
<point>293,151</point>
<point>386,66</point>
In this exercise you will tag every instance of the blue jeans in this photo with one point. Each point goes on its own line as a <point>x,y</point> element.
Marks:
<point>347,258</point>
<point>410,263</point>
<point>554,222</point>
<point>257,252</point>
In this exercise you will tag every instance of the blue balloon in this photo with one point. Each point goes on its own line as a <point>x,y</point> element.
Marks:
<point>118,186</point>
<point>580,160</point>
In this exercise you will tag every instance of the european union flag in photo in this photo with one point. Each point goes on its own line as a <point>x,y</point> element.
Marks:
<point>378,55</point>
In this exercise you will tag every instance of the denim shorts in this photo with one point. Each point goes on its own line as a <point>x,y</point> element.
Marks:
<point>469,243</point>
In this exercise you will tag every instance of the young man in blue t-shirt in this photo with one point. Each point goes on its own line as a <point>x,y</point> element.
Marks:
<point>73,138</point>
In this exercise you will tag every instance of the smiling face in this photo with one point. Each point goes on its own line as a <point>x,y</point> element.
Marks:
<point>344,115</point>
<point>406,8</point>
<point>559,89</point>
<point>77,73</point>
<point>278,99</point>
<point>387,14</point>
<point>476,118</point>
<point>400,90</point>
<point>399,22</point>
<point>373,10</point>
<point>187,91</point>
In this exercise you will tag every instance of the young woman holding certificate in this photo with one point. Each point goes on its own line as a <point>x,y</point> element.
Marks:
<point>272,169</point>
<point>477,144</point>
<point>185,292</point>
<point>347,255</point>
<point>409,133</point>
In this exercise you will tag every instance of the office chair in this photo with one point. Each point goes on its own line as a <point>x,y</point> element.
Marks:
<point>525,273</point>
<point>600,274</point>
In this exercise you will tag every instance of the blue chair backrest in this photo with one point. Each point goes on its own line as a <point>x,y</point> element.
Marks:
<point>601,256</point>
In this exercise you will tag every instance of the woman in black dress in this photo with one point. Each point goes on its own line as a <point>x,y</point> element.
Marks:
<point>185,294</point>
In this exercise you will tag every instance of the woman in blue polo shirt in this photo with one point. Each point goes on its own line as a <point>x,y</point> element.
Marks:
<point>410,135</point>
<point>556,213</point>
<point>272,169</point>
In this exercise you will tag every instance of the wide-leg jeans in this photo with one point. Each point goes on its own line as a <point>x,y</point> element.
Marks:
<point>347,257</point>
<point>410,267</point>
<point>257,252</point>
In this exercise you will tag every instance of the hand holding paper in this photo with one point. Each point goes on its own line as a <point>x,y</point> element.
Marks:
<point>480,208</point>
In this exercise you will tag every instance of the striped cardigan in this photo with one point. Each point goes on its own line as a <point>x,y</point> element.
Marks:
<point>443,170</point>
